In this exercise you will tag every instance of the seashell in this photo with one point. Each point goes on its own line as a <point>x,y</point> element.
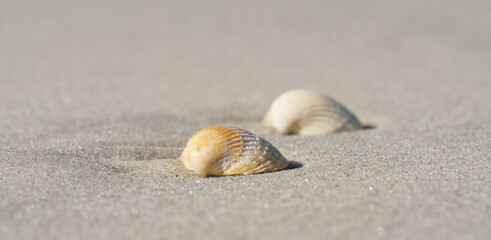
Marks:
<point>223,150</point>
<point>308,113</point>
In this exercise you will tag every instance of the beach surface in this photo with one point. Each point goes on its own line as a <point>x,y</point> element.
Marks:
<point>98,99</point>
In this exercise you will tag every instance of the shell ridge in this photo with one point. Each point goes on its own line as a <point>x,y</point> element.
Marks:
<point>309,113</point>
<point>238,152</point>
<point>233,151</point>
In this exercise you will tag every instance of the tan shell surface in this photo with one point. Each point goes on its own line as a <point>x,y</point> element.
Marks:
<point>308,113</point>
<point>239,152</point>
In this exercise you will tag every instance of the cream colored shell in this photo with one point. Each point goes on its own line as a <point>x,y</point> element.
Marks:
<point>230,151</point>
<point>308,113</point>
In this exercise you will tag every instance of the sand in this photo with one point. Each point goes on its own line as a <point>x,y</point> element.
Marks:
<point>98,99</point>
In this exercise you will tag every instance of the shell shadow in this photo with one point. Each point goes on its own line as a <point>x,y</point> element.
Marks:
<point>367,127</point>
<point>293,165</point>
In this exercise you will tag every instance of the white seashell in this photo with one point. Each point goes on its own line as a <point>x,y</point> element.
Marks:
<point>230,151</point>
<point>308,113</point>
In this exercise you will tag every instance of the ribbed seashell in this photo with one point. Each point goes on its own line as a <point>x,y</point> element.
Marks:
<point>230,151</point>
<point>308,113</point>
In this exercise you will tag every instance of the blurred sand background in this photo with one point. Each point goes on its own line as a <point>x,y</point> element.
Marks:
<point>98,99</point>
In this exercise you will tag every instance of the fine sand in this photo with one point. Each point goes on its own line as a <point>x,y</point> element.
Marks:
<point>98,99</point>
